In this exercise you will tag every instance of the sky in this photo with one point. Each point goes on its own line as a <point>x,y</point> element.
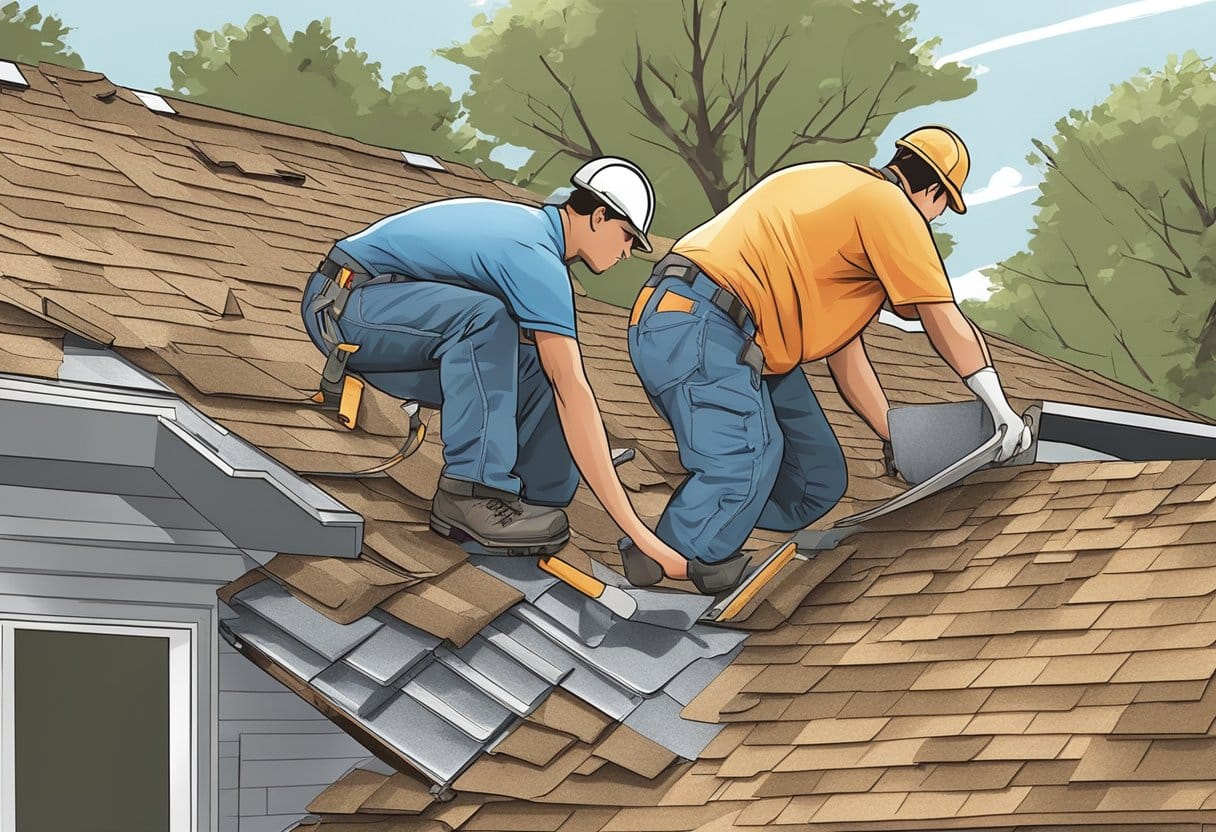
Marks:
<point>1034,60</point>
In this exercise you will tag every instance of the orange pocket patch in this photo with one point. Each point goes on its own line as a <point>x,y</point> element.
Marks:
<point>640,304</point>
<point>671,302</point>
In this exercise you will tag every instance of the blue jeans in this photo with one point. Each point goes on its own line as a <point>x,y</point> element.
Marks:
<point>758,450</point>
<point>459,350</point>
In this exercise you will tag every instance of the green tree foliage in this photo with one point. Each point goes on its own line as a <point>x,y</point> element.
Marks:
<point>29,38</point>
<point>313,81</point>
<point>708,96</point>
<point>1120,273</point>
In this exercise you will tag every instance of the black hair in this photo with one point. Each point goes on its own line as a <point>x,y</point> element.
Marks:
<point>918,172</point>
<point>583,202</point>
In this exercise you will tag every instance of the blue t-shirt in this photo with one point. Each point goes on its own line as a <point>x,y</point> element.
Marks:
<point>513,252</point>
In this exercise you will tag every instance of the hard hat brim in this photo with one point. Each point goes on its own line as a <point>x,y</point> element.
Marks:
<point>638,234</point>
<point>954,197</point>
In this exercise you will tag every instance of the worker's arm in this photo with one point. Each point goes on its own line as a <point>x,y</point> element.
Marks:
<point>855,378</point>
<point>584,429</point>
<point>960,344</point>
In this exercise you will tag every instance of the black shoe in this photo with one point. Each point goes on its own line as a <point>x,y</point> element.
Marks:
<point>718,577</point>
<point>639,569</point>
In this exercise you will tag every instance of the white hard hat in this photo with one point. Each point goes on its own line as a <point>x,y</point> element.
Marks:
<point>623,187</point>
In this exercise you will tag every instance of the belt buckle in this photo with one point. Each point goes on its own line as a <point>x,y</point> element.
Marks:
<point>344,277</point>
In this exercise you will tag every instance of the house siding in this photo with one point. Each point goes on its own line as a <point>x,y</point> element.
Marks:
<point>263,752</point>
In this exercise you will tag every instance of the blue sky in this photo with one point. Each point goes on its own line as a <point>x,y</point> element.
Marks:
<point>1023,89</point>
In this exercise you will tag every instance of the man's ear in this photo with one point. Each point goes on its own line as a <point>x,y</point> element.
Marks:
<point>598,216</point>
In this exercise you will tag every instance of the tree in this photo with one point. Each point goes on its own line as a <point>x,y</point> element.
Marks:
<point>1120,272</point>
<point>706,95</point>
<point>28,37</point>
<point>312,81</point>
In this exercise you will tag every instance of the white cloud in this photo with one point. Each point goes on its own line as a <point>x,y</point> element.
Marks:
<point>970,286</point>
<point>1004,183</point>
<point>973,285</point>
<point>979,69</point>
<point>1105,17</point>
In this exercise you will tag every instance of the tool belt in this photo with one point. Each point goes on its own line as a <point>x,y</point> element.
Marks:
<point>685,270</point>
<point>339,390</point>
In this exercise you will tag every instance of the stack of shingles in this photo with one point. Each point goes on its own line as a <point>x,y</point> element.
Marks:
<point>1035,649</point>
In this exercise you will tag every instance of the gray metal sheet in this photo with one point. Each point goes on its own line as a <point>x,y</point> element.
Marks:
<point>551,673</point>
<point>497,674</point>
<point>435,746</point>
<point>279,607</point>
<point>521,573</point>
<point>459,702</point>
<point>658,718</point>
<point>351,690</point>
<point>277,645</point>
<point>928,438</point>
<point>660,607</point>
<point>513,634</point>
<point>90,363</point>
<point>391,651</point>
<point>641,657</point>
<point>583,618</point>
<point>697,676</point>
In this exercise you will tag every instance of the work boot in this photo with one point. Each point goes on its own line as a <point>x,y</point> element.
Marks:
<point>640,570</point>
<point>718,577</point>
<point>497,520</point>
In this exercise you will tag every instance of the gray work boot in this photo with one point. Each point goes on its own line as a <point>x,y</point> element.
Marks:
<point>497,520</point>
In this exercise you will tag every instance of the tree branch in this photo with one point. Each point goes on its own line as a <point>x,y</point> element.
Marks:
<point>578,112</point>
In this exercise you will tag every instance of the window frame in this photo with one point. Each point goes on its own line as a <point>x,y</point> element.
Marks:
<point>183,705</point>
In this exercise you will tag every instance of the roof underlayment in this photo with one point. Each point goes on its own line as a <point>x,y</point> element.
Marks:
<point>1032,649</point>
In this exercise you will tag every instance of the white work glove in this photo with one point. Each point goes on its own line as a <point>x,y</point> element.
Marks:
<point>987,388</point>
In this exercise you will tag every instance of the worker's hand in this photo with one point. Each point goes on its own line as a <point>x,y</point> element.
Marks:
<point>674,564</point>
<point>1015,434</point>
<point>888,460</point>
<point>1016,438</point>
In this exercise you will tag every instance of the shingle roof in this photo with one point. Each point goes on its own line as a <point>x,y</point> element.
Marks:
<point>1018,652</point>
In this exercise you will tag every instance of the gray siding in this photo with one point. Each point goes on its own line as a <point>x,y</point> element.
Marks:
<point>280,753</point>
<point>263,753</point>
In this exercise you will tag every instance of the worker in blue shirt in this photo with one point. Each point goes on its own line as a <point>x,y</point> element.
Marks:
<point>467,305</point>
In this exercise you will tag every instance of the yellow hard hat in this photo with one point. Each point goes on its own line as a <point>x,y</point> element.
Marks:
<point>945,152</point>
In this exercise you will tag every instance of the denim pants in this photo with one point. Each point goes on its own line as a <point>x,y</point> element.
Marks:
<point>758,450</point>
<point>458,349</point>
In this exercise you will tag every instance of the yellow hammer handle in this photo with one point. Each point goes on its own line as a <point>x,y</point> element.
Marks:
<point>758,582</point>
<point>576,578</point>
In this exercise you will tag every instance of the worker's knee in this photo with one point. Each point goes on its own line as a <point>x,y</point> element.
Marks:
<point>487,315</point>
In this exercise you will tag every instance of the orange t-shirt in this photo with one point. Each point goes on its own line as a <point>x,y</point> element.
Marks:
<point>813,251</point>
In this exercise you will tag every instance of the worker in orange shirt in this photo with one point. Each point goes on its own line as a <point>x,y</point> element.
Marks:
<point>793,271</point>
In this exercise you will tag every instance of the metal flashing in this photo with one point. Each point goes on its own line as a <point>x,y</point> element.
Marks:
<point>278,606</point>
<point>578,677</point>
<point>351,690</point>
<point>450,696</point>
<point>581,617</point>
<point>10,74</point>
<point>521,573</point>
<point>218,473</point>
<point>392,651</point>
<point>1127,435</point>
<point>87,362</point>
<point>439,749</point>
<point>154,102</point>
<point>282,649</point>
<point>495,673</point>
<point>658,719</point>
<point>640,657</point>
<point>421,160</point>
